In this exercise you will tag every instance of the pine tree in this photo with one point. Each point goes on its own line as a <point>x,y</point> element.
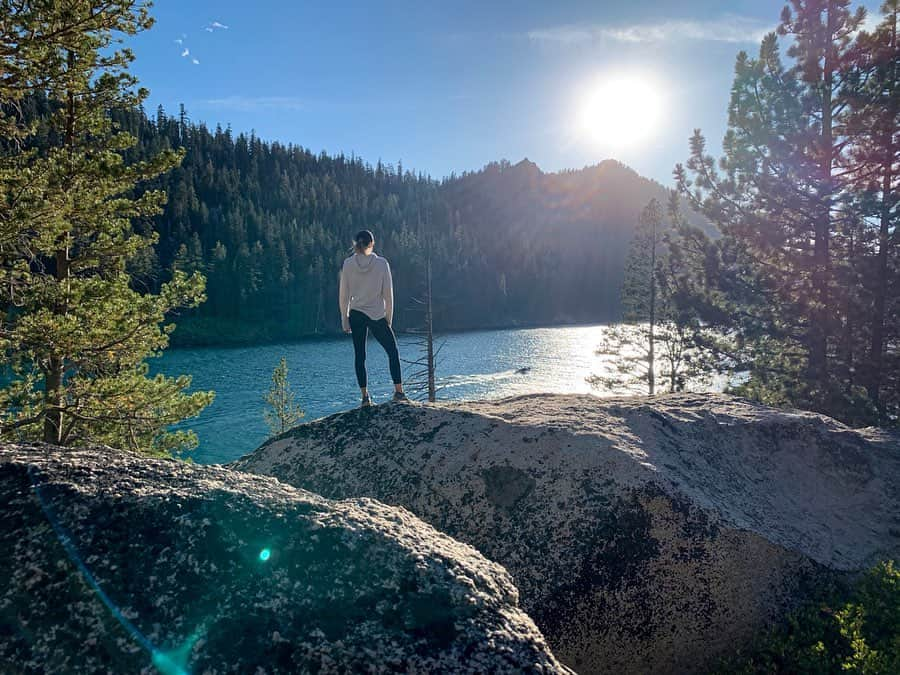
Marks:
<point>283,411</point>
<point>657,336</point>
<point>639,288</point>
<point>821,32</point>
<point>778,199</point>
<point>75,333</point>
<point>873,168</point>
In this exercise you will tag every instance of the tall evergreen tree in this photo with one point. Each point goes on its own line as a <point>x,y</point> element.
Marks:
<point>639,289</point>
<point>75,333</point>
<point>821,32</point>
<point>873,166</point>
<point>778,198</point>
<point>658,335</point>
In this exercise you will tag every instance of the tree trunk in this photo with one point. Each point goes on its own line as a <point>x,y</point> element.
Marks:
<point>877,347</point>
<point>429,328</point>
<point>819,317</point>
<point>55,369</point>
<point>849,321</point>
<point>651,376</point>
<point>53,401</point>
<point>876,350</point>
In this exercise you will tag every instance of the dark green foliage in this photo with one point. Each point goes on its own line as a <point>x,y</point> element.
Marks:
<point>283,412</point>
<point>873,122</point>
<point>844,631</point>
<point>74,330</point>
<point>269,225</point>
<point>799,284</point>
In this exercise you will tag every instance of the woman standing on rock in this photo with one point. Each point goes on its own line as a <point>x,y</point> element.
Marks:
<point>367,303</point>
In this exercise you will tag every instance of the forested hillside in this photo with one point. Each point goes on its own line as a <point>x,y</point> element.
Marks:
<point>269,225</point>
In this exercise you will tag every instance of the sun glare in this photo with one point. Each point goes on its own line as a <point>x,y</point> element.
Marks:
<point>619,111</point>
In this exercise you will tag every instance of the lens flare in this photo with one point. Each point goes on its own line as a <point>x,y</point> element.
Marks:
<point>167,662</point>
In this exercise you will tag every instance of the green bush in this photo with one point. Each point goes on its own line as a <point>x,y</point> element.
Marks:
<point>849,630</point>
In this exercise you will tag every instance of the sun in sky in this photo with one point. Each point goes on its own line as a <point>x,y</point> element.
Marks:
<point>620,110</point>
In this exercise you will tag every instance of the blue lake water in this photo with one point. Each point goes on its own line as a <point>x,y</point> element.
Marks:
<point>474,365</point>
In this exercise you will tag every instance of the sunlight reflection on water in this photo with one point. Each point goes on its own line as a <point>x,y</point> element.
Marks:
<point>476,365</point>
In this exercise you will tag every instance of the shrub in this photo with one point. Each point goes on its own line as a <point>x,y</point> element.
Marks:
<point>855,629</point>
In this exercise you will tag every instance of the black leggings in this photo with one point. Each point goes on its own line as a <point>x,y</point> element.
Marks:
<point>360,325</point>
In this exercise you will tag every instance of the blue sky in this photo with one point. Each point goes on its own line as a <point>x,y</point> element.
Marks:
<point>449,86</point>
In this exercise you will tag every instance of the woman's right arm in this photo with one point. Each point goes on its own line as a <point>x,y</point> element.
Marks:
<point>387,292</point>
<point>344,301</point>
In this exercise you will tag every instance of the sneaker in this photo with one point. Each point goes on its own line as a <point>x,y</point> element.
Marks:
<point>366,402</point>
<point>400,396</point>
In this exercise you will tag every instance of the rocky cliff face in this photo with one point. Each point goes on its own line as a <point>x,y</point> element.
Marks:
<point>644,535</point>
<point>111,562</point>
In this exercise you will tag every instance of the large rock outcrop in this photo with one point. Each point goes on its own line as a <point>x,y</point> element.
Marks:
<point>644,535</point>
<point>111,561</point>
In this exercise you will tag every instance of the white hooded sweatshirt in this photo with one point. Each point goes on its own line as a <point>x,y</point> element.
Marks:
<point>366,286</point>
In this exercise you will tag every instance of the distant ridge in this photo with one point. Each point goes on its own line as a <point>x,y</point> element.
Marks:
<point>569,230</point>
<point>269,225</point>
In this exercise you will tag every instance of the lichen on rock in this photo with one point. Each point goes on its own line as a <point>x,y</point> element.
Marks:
<point>113,562</point>
<point>645,535</point>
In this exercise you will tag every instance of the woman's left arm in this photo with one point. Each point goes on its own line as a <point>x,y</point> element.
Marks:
<point>344,301</point>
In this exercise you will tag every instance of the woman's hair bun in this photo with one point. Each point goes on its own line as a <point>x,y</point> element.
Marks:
<point>363,239</point>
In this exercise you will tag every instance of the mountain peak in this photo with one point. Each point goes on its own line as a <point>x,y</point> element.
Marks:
<point>528,166</point>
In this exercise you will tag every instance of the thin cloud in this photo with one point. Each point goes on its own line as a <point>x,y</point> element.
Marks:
<point>255,103</point>
<point>731,28</point>
<point>196,62</point>
<point>214,26</point>
<point>179,41</point>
